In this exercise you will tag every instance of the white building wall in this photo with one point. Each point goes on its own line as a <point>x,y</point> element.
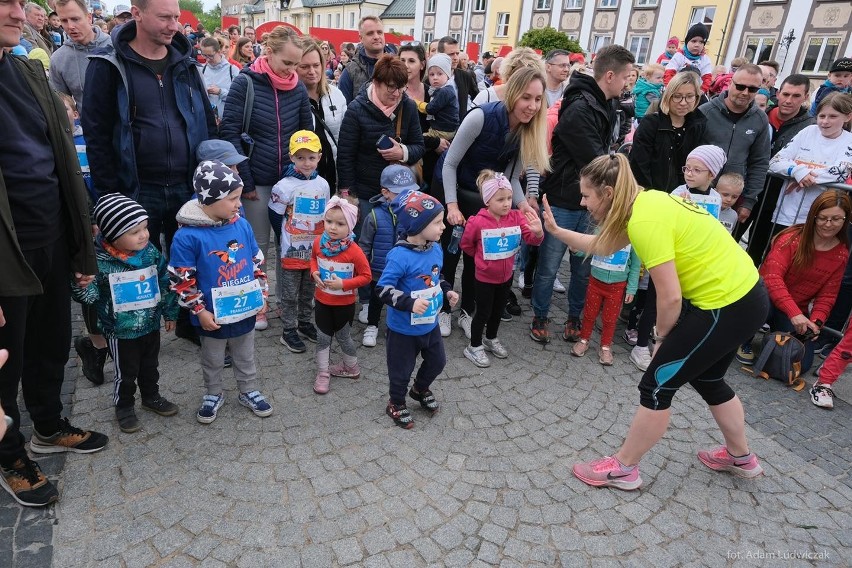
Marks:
<point>442,18</point>
<point>586,26</point>
<point>526,19</point>
<point>625,7</point>
<point>797,16</point>
<point>662,32</point>
<point>734,35</point>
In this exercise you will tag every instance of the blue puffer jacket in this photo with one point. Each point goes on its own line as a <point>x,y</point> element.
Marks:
<point>359,164</point>
<point>276,115</point>
<point>378,235</point>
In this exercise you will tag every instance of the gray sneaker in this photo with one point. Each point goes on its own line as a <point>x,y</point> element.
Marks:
<point>477,356</point>
<point>495,347</point>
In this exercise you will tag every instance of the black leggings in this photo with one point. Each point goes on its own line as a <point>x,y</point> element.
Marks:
<point>699,349</point>
<point>490,301</point>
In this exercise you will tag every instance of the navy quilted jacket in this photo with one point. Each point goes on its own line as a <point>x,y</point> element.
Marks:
<point>359,164</point>
<point>271,126</point>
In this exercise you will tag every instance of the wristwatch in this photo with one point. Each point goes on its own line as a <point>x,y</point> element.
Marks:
<point>656,336</point>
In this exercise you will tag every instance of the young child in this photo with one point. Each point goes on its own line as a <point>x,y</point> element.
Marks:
<point>130,294</point>
<point>493,238</point>
<point>649,88</point>
<point>692,55</point>
<point>702,165</point>
<point>339,268</point>
<point>671,49</point>
<point>761,99</point>
<point>442,110</point>
<point>730,187</point>
<point>216,270</point>
<point>830,371</point>
<point>378,237</point>
<point>296,208</point>
<point>411,284</point>
<point>839,81</point>
<point>614,279</point>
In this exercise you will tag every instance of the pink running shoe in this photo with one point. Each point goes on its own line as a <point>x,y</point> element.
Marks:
<point>322,382</point>
<point>608,472</point>
<point>720,460</point>
<point>342,370</point>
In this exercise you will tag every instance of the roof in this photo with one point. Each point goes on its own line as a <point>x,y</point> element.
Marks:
<point>399,9</point>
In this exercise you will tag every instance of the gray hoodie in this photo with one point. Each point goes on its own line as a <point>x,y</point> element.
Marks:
<point>221,75</point>
<point>68,65</point>
<point>745,142</point>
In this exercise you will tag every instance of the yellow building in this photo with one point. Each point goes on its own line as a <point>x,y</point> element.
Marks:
<point>717,15</point>
<point>502,23</point>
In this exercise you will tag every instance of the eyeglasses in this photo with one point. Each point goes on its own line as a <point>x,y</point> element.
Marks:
<point>748,88</point>
<point>394,89</point>
<point>209,55</point>
<point>561,65</point>
<point>414,43</point>
<point>829,220</point>
<point>688,170</point>
<point>677,97</point>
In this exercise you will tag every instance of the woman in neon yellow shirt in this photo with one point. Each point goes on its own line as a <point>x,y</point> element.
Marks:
<point>690,256</point>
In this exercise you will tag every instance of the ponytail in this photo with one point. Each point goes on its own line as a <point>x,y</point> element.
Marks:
<point>612,171</point>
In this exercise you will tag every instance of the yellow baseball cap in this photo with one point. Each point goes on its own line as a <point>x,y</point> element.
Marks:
<point>304,139</point>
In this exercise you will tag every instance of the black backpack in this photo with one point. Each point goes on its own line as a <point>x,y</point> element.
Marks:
<point>781,359</point>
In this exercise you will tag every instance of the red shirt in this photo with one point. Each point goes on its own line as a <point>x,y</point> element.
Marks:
<point>358,265</point>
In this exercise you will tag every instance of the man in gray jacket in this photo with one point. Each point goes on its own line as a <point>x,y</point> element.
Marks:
<point>68,64</point>
<point>737,126</point>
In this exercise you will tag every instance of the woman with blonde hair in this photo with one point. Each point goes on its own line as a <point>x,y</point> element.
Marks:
<point>482,142</point>
<point>690,256</point>
<point>518,58</point>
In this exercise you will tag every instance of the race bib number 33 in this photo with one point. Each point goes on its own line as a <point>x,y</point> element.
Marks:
<point>134,290</point>
<point>236,303</point>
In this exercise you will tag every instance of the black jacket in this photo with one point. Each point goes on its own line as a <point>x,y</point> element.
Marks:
<point>656,157</point>
<point>588,125</point>
<point>789,129</point>
<point>467,90</point>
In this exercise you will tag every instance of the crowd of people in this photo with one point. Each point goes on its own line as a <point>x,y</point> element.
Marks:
<point>374,173</point>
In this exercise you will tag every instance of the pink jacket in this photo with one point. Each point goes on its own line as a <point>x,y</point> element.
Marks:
<point>494,271</point>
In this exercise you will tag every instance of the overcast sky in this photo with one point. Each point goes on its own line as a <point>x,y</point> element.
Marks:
<point>208,4</point>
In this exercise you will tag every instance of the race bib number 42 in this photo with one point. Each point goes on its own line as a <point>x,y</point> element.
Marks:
<point>501,243</point>
<point>236,303</point>
<point>134,290</point>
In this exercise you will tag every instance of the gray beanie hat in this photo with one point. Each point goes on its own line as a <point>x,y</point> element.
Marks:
<point>441,61</point>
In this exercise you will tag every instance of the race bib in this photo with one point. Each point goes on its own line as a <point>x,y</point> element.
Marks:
<point>616,261</point>
<point>710,203</point>
<point>83,157</point>
<point>236,303</point>
<point>435,297</point>
<point>308,207</point>
<point>343,270</point>
<point>134,290</point>
<point>501,243</point>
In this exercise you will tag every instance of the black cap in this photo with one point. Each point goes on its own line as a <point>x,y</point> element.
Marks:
<point>842,64</point>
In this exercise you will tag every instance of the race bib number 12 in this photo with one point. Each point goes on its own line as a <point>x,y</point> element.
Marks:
<point>134,290</point>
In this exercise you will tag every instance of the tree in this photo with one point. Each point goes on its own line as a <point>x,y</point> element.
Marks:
<point>546,39</point>
<point>212,19</point>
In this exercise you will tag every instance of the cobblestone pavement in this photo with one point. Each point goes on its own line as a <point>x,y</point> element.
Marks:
<point>329,480</point>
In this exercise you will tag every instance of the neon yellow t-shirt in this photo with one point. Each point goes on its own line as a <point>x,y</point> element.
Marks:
<point>713,270</point>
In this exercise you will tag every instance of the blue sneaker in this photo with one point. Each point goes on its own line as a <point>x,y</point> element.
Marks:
<point>256,402</point>
<point>210,404</point>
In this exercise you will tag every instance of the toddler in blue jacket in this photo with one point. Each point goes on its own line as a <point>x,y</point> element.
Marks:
<point>442,110</point>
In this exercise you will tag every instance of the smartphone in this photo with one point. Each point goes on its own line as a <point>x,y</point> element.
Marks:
<point>384,143</point>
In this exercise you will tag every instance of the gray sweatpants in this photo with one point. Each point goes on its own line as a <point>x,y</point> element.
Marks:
<point>257,215</point>
<point>213,357</point>
<point>297,291</point>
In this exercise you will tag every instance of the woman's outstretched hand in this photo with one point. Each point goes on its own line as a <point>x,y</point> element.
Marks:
<point>547,216</point>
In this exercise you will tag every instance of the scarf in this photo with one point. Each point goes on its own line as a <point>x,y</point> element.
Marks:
<point>134,259</point>
<point>686,53</point>
<point>261,65</point>
<point>330,247</point>
<point>292,172</point>
<point>387,110</point>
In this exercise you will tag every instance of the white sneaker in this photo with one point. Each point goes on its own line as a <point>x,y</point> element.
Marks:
<point>445,322</point>
<point>641,357</point>
<point>822,396</point>
<point>558,286</point>
<point>495,347</point>
<point>521,281</point>
<point>477,356</point>
<point>464,322</point>
<point>369,337</point>
<point>362,315</point>
<point>260,322</point>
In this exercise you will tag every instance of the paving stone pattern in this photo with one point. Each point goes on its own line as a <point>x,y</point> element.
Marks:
<point>330,481</point>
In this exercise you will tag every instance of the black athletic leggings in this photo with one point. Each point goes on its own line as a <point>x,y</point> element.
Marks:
<point>699,349</point>
<point>490,301</point>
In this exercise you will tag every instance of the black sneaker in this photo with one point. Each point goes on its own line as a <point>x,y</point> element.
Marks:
<point>27,485</point>
<point>400,414</point>
<point>426,400</point>
<point>291,340</point>
<point>161,406</point>
<point>68,439</point>
<point>512,305</point>
<point>506,316</point>
<point>308,331</point>
<point>92,358</point>
<point>527,292</point>
<point>127,421</point>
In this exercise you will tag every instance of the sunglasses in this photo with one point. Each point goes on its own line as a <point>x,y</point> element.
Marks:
<point>748,88</point>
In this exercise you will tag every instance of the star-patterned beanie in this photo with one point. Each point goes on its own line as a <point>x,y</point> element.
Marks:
<point>213,181</point>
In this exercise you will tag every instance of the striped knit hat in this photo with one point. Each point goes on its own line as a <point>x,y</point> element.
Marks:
<point>116,214</point>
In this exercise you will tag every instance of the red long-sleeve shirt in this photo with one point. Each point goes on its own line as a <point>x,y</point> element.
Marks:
<point>361,274</point>
<point>792,290</point>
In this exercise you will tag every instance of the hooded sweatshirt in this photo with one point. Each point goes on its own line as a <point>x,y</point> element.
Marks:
<point>69,63</point>
<point>221,75</point>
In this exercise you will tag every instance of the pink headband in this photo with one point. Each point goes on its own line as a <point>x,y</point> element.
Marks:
<point>350,212</point>
<point>491,186</point>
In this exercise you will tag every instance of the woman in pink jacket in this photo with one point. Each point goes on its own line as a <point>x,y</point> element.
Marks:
<point>493,238</point>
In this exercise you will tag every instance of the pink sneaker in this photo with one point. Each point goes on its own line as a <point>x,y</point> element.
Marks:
<point>720,460</point>
<point>321,383</point>
<point>608,472</point>
<point>341,370</point>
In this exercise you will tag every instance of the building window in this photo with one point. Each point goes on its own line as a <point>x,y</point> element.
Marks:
<point>479,5</point>
<point>427,38</point>
<point>351,20</point>
<point>646,3</point>
<point>758,48</point>
<point>328,21</point>
<point>820,53</point>
<point>319,21</point>
<point>703,15</point>
<point>573,4</point>
<point>458,5</point>
<point>542,4</point>
<point>477,39</point>
<point>337,21</point>
<point>573,36</point>
<point>456,36</point>
<point>430,7</point>
<point>608,4</point>
<point>599,41</point>
<point>502,24</point>
<point>639,46</point>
